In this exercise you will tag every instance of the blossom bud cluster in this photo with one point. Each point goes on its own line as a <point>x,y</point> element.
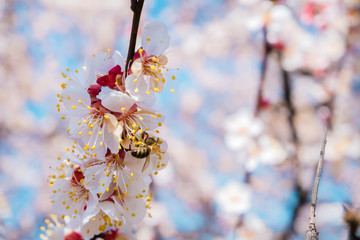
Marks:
<point>102,184</point>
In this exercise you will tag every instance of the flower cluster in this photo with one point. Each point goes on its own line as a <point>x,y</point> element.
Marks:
<point>103,182</point>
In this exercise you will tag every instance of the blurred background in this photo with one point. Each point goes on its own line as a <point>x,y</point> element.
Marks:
<point>258,82</point>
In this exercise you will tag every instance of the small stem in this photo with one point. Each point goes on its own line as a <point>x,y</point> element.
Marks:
<point>136,7</point>
<point>312,233</point>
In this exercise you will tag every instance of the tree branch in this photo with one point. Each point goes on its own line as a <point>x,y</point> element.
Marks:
<point>136,7</point>
<point>288,101</point>
<point>266,52</point>
<point>302,193</point>
<point>312,233</point>
<point>352,219</point>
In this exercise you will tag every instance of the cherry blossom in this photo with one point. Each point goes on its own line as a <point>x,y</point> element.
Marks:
<point>240,128</point>
<point>148,68</point>
<point>104,180</point>
<point>234,198</point>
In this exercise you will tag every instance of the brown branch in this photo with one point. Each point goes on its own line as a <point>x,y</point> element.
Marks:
<point>352,219</point>
<point>136,7</point>
<point>266,52</point>
<point>302,193</point>
<point>288,101</point>
<point>312,233</point>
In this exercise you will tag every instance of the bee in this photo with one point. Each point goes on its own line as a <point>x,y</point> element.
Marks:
<point>143,148</point>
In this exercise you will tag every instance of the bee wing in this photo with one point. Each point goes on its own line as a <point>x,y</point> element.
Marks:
<point>146,164</point>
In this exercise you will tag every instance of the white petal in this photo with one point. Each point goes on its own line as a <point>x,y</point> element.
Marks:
<point>76,100</point>
<point>115,100</point>
<point>158,84</point>
<point>157,163</point>
<point>89,72</point>
<point>163,145</point>
<point>235,142</point>
<point>110,140</point>
<point>138,90</point>
<point>123,178</point>
<point>148,121</point>
<point>93,139</point>
<point>155,39</point>
<point>92,208</point>
<point>98,181</point>
<point>103,62</point>
<point>136,210</point>
<point>91,226</point>
<point>137,67</point>
<point>138,185</point>
<point>134,164</point>
<point>59,208</point>
<point>118,131</point>
<point>108,194</point>
<point>110,209</point>
<point>119,60</point>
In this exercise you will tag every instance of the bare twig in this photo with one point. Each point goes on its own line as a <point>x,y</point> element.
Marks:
<point>288,101</point>
<point>302,193</point>
<point>312,233</point>
<point>136,7</point>
<point>266,52</point>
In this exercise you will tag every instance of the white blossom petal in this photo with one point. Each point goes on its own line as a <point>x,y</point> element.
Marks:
<point>110,209</point>
<point>111,141</point>
<point>155,39</point>
<point>139,90</point>
<point>115,101</point>
<point>76,100</point>
<point>119,60</point>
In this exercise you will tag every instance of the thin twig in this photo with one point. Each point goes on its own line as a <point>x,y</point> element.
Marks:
<point>266,52</point>
<point>136,7</point>
<point>312,233</point>
<point>302,193</point>
<point>288,101</point>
